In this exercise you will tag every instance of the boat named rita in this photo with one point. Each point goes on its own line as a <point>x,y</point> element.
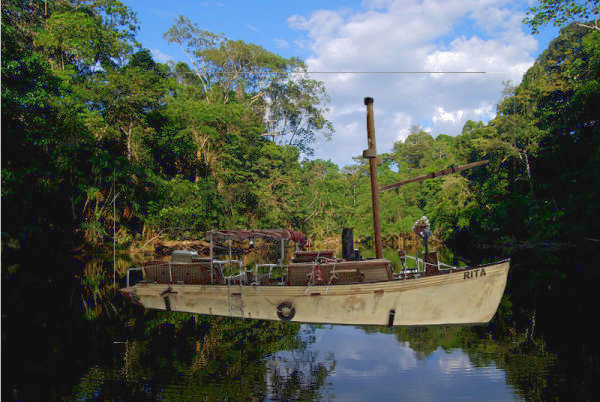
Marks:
<point>317,286</point>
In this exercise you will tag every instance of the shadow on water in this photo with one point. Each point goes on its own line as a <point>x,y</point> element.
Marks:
<point>66,333</point>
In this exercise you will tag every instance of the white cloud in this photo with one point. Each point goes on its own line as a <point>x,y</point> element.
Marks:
<point>448,117</point>
<point>349,129</point>
<point>402,123</point>
<point>211,3</point>
<point>251,27</point>
<point>164,14</point>
<point>282,43</point>
<point>412,35</point>
<point>160,56</point>
<point>485,111</point>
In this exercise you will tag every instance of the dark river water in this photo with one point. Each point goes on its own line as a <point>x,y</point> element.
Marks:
<point>67,335</point>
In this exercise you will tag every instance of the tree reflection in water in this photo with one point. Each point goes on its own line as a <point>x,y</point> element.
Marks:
<point>187,357</point>
<point>528,367</point>
<point>298,374</point>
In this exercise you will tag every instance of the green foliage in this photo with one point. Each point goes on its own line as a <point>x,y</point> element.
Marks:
<point>296,114</point>
<point>218,143</point>
<point>562,13</point>
<point>72,39</point>
<point>173,149</point>
<point>417,150</point>
<point>265,83</point>
<point>184,204</point>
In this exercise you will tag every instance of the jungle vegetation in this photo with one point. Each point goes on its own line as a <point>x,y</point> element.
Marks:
<point>88,115</point>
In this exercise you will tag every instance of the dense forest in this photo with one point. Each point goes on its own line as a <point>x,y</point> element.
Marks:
<point>224,141</point>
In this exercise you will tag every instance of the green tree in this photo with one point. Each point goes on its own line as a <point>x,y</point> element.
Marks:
<point>267,83</point>
<point>49,151</point>
<point>124,97</point>
<point>564,91</point>
<point>562,13</point>
<point>417,150</point>
<point>295,111</point>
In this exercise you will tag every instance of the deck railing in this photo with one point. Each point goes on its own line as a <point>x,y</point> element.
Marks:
<point>211,272</point>
<point>421,266</point>
<point>192,273</point>
<point>132,269</point>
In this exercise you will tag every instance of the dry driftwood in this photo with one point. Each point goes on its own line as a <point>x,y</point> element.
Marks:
<point>166,247</point>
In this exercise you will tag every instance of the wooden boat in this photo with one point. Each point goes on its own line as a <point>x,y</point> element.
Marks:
<point>317,287</point>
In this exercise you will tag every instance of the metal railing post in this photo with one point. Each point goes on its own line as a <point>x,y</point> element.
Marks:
<point>230,267</point>
<point>211,261</point>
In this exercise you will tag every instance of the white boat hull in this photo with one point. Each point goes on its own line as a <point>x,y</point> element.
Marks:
<point>468,296</point>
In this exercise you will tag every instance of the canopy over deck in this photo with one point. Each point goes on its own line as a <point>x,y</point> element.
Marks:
<point>244,234</point>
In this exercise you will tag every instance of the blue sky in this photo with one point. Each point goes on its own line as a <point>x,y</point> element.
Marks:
<point>263,22</point>
<point>375,35</point>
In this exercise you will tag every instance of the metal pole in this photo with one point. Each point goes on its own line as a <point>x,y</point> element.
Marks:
<point>114,233</point>
<point>371,154</point>
<point>211,259</point>
<point>230,267</point>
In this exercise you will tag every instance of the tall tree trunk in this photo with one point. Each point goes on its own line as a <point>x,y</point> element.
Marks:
<point>128,134</point>
<point>528,169</point>
<point>198,162</point>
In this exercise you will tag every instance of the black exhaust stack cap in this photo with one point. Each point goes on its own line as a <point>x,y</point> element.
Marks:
<point>348,244</point>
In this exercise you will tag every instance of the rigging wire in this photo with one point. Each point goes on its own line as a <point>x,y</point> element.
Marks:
<point>331,72</point>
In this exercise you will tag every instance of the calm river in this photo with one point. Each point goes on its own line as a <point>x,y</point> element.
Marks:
<point>70,337</point>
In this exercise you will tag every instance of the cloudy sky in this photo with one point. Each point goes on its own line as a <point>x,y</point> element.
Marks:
<point>385,40</point>
<point>376,366</point>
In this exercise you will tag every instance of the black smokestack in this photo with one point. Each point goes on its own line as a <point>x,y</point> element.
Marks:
<point>347,244</point>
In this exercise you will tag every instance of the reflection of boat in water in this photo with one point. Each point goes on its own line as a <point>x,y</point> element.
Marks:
<point>317,287</point>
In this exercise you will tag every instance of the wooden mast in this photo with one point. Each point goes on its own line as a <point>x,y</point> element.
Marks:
<point>371,154</point>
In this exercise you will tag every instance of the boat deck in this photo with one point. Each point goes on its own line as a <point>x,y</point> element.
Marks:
<point>326,271</point>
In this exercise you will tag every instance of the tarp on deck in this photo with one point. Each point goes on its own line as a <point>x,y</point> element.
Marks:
<point>244,234</point>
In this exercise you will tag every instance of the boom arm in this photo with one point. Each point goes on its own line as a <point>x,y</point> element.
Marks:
<point>434,174</point>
